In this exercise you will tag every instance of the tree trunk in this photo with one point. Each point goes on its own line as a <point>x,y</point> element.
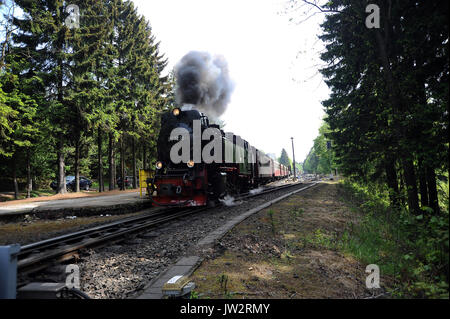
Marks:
<point>402,187</point>
<point>101,186</point>
<point>428,176</point>
<point>114,165</point>
<point>397,105</point>
<point>122,163</point>
<point>423,184</point>
<point>411,186</point>
<point>432,189</point>
<point>14,173</point>
<point>61,188</point>
<point>77,165</point>
<point>29,180</point>
<point>391,178</point>
<point>8,31</point>
<point>134,163</point>
<point>144,157</point>
<point>111,162</point>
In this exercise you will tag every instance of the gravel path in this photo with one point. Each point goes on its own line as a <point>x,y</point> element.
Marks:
<point>122,270</point>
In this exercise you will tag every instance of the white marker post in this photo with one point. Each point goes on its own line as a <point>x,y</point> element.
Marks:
<point>8,271</point>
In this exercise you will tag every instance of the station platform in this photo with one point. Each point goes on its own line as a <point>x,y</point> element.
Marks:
<point>116,203</point>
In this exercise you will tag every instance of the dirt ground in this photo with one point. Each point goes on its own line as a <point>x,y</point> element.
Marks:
<point>32,231</point>
<point>290,250</point>
<point>62,196</point>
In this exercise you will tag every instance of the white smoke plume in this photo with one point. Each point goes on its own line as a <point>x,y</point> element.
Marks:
<point>256,190</point>
<point>229,201</point>
<point>203,80</point>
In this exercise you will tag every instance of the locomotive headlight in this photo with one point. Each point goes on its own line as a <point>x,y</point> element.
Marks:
<point>159,165</point>
<point>176,111</point>
<point>190,164</point>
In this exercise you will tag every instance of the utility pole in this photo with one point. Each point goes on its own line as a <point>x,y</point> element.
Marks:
<point>293,156</point>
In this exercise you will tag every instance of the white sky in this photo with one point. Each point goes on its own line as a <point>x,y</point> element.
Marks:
<point>272,62</point>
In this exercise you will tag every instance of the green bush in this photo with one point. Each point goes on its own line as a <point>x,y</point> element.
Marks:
<point>411,249</point>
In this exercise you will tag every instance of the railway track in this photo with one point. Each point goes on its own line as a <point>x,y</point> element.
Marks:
<point>39,255</point>
<point>266,191</point>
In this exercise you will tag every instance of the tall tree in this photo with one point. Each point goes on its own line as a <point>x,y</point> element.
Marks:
<point>382,121</point>
<point>43,38</point>
<point>284,158</point>
<point>91,63</point>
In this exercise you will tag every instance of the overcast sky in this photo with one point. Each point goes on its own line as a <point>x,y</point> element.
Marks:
<point>272,61</point>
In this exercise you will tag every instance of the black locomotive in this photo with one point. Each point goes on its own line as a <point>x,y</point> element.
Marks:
<point>198,163</point>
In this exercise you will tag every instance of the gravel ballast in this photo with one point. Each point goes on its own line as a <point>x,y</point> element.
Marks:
<point>122,270</point>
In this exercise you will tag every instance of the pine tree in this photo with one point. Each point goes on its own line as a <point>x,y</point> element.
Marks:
<point>91,62</point>
<point>382,121</point>
<point>139,87</point>
<point>99,80</point>
<point>42,38</point>
<point>284,158</point>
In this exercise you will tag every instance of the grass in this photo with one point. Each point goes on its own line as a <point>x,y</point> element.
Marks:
<point>286,251</point>
<point>50,192</point>
<point>23,194</point>
<point>318,244</point>
<point>272,222</point>
<point>106,184</point>
<point>95,185</point>
<point>409,249</point>
<point>374,242</point>
<point>297,212</point>
<point>223,280</point>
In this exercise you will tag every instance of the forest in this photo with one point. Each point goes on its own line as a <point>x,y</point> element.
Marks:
<point>81,87</point>
<point>386,126</point>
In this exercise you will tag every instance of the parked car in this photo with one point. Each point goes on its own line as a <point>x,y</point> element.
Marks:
<point>85,183</point>
<point>128,181</point>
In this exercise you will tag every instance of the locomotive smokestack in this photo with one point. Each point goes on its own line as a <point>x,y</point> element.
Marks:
<point>203,80</point>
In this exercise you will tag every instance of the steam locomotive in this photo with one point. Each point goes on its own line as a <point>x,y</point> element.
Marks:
<point>199,164</point>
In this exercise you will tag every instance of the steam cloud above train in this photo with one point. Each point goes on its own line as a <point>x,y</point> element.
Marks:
<point>203,80</point>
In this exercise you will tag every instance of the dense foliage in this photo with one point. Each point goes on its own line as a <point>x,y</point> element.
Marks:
<point>387,119</point>
<point>76,98</point>
<point>284,159</point>
<point>320,159</point>
<point>413,258</point>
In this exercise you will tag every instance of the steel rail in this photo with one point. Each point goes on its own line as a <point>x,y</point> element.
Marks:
<point>56,240</point>
<point>267,190</point>
<point>92,237</point>
<point>38,253</point>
